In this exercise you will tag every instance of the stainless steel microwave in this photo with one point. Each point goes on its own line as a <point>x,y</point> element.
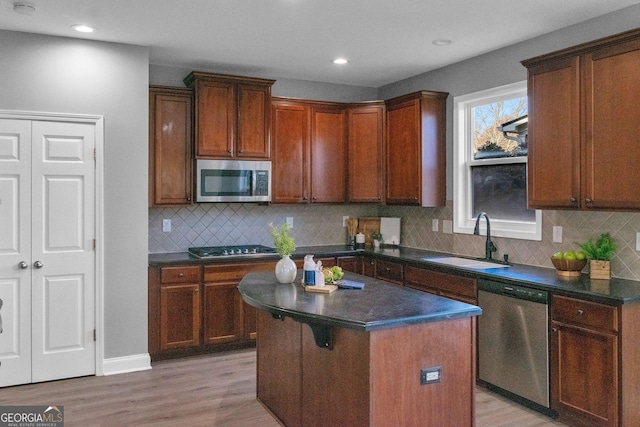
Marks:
<point>233,181</point>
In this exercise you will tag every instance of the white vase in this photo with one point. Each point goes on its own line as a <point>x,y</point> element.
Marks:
<point>376,244</point>
<point>286,270</point>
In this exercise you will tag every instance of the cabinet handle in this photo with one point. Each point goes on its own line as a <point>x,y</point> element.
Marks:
<point>580,312</point>
<point>588,200</point>
<point>573,200</point>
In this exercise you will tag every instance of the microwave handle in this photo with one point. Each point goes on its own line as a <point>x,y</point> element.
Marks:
<point>254,182</point>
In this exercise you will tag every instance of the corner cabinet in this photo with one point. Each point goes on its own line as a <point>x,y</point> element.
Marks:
<point>583,109</point>
<point>232,116</point>
<point>365,124</point>
<point>416,149</point>
<point>170,146</point>
<point>309,152</point>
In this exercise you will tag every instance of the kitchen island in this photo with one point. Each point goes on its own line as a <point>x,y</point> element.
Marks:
<point>384,355</point>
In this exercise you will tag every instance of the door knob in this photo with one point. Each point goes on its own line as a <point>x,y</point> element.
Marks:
<point>23,265</point>
<point>38,264</point>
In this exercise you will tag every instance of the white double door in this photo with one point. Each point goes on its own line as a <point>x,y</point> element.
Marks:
<point>47,256</point>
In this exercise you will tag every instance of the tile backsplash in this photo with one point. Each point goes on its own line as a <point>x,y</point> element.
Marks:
<point>215,224</point>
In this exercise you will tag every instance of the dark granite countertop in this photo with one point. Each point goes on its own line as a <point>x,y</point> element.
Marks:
<point>378,305</point>
<point>615,291</point>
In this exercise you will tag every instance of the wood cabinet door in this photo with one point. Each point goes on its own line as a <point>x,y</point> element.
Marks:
<point>365,144</point>
<point>179,316</point>
<point>290,153</point>
<point>216,116</point>
<point>328,160</point>
<point>584,375</point>
<point>612,153</point>
<point>223,316</point>
<point>254,120</point>
<point>403,153</point>
<point>170,148</point>
<point>554,135</point>
<point>349,263</point>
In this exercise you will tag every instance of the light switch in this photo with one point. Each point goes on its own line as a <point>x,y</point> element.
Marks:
<point>290,221</point>
<point>434,225</point>
<point>557,234</point>
<point>447,226</point>
<point>344,220</point>
<point>638,241</point>
<point>166,225</point>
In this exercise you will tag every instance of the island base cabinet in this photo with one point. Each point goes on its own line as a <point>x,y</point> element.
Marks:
<point>368,378</point>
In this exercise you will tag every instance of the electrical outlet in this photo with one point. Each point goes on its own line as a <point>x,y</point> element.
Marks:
<point>434,225</point>
<point>344,220</point>
<point>431,375</point>
<point>638,241</point>
<point>166,225</point>
<point>447,226</point>
<point>557,234</point>
<point>290,221</point>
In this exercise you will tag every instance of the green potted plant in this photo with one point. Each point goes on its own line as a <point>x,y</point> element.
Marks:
<point>286,269</point>
<point>599,254</point>
<point>376,236</point>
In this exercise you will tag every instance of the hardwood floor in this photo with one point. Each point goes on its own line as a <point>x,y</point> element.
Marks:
<point>211,390</point>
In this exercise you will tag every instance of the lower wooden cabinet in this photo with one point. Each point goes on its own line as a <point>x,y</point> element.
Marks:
<point>197,308</point>
<point>452,286</point>
<point>594,362</point>
<point>390,271</point>
<point>584,362</point>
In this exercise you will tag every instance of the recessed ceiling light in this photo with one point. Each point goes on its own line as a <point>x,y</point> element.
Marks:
<point>340,61</point>
<point>83,28</point>
<point>441,42</point>
<point>24,8</point>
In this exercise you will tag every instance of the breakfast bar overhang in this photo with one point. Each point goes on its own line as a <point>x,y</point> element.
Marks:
<point>381,356</point>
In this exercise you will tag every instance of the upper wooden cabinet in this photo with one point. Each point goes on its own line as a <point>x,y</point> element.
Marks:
<point>416,149</point>
<point>365,135</point>
<point>170,146</point>
<point>583,125</point>
<point>233,115</point>
<point>309,152</point>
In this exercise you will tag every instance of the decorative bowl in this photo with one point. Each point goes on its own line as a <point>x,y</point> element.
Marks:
<point>568,267</point>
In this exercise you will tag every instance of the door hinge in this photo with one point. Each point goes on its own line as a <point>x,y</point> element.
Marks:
<point>94,334</point>
<point>95,156</point>
<point>94,244</point>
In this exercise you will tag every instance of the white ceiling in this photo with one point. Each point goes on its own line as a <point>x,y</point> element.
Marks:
<point>384,40</point>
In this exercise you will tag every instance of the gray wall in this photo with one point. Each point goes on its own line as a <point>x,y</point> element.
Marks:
<point>53,74</point>
<point>172,76</point>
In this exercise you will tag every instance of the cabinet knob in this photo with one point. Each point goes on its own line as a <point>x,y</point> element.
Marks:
<point>180,274</point>
<point>580,312</point>
<point>573,200</point>
<point>388,268</point>
<point>38,264</point>
<point>195,291</point>
<point>22,265</point>
<point>305,198</point>
<point>587,200</point>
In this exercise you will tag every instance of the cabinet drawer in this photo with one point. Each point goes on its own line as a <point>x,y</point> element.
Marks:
<point>390,271</point>
<point>585,313</point>
<point>180,274</point>
<point>447,283</point>
<point>234,272</point>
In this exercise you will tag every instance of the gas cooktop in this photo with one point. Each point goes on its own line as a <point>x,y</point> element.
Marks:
<point>226,251</point>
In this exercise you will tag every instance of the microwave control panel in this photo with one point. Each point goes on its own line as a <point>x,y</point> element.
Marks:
<point>262,183</point>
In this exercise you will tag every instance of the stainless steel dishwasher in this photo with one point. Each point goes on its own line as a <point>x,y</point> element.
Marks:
<point>513,356</point>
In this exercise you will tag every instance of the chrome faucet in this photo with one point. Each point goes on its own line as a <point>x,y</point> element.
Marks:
<point>489,247</point>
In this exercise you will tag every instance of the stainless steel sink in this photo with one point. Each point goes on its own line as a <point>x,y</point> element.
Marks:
<point>473,264</point>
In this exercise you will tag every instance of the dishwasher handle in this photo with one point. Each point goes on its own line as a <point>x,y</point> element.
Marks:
<point>514,291</point>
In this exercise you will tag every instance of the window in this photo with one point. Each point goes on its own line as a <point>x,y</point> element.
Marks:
<point>490,169</point>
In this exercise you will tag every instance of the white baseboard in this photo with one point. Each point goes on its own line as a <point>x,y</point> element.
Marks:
<point>126,364</point>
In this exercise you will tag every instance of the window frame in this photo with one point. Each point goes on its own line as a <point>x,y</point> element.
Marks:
<point>463,222</point>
